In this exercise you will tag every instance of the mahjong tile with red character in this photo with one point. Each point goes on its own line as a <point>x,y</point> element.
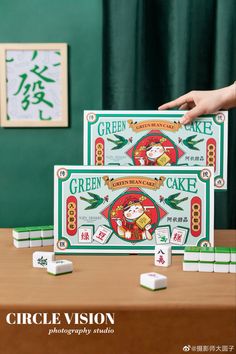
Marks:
<point>85,234</point>
<point>179,236</point>
<point>102,234</point>
<point>162,256</point>
<point>132,209</point>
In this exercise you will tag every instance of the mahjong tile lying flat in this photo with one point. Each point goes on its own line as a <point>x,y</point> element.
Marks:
<point>48,241</point>
<point>222,254</point>
<point>21,243</point>
<point>232,267</point>
<point>36,242</point>
<point>41,259</point>
<point>204,266</point>
<point>132,209</point>
<point>60,267</point>
<point>190,266</point>
<point>192,253</point>
<point>221,267</point>
<point>207,254</point>
<point>233,254</point>
<point>153,281</point>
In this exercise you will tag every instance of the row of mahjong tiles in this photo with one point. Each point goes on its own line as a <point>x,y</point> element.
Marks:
<point>33,236</point>
<point>211,254</point>
<point>210,259</point>
<point>205,259</point>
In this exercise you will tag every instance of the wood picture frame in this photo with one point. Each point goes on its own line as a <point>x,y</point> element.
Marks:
<point>33,85</point>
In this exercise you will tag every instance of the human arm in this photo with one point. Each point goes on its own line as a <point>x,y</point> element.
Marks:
<point>203,102</point>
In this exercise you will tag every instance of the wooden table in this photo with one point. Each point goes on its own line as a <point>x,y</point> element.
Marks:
<point>195,309</point>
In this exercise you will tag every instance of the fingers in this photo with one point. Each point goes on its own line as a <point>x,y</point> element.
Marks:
<point>184,106</point>
<point>193,113</point>
<point>177,102</point>
<point>186,102</point>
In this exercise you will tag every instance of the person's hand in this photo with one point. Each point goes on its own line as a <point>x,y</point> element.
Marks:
<point>203,102</point>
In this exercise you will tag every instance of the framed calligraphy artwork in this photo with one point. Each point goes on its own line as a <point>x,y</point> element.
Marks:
<point>33,81</point>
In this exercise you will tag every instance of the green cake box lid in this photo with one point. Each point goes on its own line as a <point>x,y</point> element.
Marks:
<point>208,249</point>
<point>222,250</point>
<point>192,249</point>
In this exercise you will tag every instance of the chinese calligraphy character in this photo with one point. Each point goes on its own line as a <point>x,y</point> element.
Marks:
<point>85,236</point>
<point>161,259</point>
<point>34,92</point>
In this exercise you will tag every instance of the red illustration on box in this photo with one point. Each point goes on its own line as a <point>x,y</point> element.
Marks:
<point>155,149</point>
<point>134,215</point>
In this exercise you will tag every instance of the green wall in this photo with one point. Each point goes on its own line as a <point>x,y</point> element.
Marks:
<point>27,156</point>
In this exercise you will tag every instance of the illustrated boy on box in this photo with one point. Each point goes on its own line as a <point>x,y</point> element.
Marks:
<point>155,155</point>
<point>135,222</point>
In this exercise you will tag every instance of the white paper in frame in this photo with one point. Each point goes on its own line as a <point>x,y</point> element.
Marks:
<point>33,84</point>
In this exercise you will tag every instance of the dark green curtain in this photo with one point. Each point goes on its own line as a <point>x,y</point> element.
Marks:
<point>156,50</point>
